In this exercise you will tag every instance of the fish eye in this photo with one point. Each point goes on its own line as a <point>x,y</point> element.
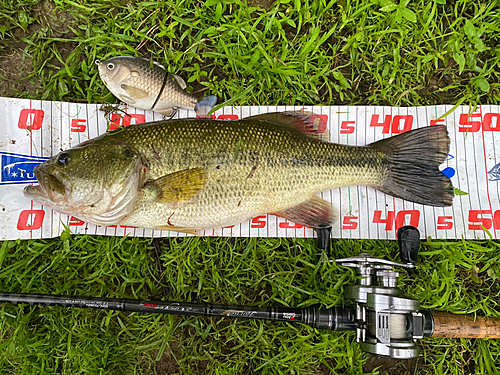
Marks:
<point>63,159</point>
<point>129,154</point>
<point>111,66</point>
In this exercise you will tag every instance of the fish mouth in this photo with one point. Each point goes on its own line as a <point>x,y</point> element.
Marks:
<point>34,192</point>
<point>104,76</point>
<point>102,71</point>
<point>50,189</point>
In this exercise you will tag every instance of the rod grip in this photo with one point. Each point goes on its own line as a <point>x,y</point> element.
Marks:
<point>464,326</point>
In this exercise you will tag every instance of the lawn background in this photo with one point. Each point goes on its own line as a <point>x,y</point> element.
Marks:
<point>286,52</point>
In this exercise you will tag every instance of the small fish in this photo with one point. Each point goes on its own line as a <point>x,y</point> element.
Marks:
<point>135,82</point>
<point>191,174</point>
<point>495,173</point>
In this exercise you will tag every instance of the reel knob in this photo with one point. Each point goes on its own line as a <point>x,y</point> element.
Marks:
<point>409,242</point>
<point>323,240</point>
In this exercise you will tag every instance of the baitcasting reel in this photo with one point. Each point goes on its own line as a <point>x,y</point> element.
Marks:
<point>387,324</point>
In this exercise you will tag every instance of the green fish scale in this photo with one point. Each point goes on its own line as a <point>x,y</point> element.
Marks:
<point>252,168</point>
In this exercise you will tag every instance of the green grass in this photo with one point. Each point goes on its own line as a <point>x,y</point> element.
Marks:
<point>356,52</point>
<point>315,53</point>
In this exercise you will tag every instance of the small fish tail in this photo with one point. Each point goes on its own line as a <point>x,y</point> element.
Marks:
<point>205,105</point>
<point>413,160</point>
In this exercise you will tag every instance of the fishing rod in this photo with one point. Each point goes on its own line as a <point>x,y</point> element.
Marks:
<point>386,323</point>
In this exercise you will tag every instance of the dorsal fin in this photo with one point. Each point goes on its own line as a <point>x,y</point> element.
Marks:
<point>180,81</point>
<point>154,63</point>
<point>159,65</point>
<point>306,122</point>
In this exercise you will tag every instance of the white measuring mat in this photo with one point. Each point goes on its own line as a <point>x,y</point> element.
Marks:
<point>34,130</point>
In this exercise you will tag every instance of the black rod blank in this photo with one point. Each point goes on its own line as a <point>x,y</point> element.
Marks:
<point>335,319</point>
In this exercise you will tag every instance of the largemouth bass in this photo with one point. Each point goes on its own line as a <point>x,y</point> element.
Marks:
<point>135,82</point>
<point>185,175</point>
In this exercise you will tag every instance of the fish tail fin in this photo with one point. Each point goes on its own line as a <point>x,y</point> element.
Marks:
<point>413,160</point>
<point>204,105</point>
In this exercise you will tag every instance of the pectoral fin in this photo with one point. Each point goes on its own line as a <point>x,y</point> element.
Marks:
<point>134,92</point>
<point>315,212</point>
<point>179,186</point>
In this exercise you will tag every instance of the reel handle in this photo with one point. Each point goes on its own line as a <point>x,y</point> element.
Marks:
<point>409,242</point>
<point>323,240</point>
<point>464,326</point>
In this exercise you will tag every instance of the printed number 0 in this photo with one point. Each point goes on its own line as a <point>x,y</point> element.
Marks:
<point>30,119</point>
<point>30,219</point>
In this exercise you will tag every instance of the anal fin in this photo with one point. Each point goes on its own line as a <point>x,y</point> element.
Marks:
<point>169,112</point>
<point>181,229</point>
<point>315,213</point>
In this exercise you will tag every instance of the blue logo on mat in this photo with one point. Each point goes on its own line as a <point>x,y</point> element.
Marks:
<point>495,173</point>
<point>18,169</point>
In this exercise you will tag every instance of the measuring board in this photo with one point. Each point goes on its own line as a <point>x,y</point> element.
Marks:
<point>34,130</point>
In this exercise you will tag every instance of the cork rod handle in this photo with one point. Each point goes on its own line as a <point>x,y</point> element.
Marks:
<point>464,326</point>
